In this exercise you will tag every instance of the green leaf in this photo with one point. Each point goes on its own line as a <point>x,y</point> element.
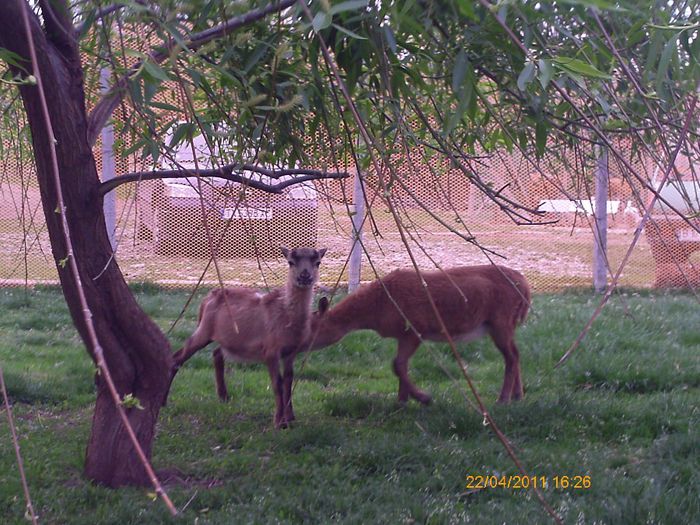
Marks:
<point>603,102</point>
<point>254,58</point>
<point>460,70</point>
<point>390,38</point>
<point>154,150</point>
<point>173,31</point>
<point>657,41</point>
<point>165,106</point>
<point>502,12</point>
<point>636,33</point>
<point>195,75</point>
<point>155,71</point>
<point>526,76</point>
<point>350,5</point>
<point>133,148</point>
<point>546,71</point>
<point>601,5</point>
<point>465,102</point>
<point>150,88</point>
<point>321,21</point>
<point>13,58</point>
<point>695,50</point>
<point>129,401</point>
<point>614,124</point>
<point>579,67</point>
<point>186,129</point>
<point>674,27</point>
<point>466,8</point>
<point>662,72</point>
<point>135,53</point>
<point>135,92</point>
<point>351,34</point>
<point>541,131</point>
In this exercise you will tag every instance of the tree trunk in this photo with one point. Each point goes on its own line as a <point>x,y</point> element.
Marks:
<point>136,351</point>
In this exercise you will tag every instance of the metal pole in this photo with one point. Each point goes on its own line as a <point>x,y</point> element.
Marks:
<point>357,214</point>
<point>600,223</point>
<point>107,134</point>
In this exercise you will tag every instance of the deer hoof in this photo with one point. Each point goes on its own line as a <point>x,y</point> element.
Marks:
<point>517,395</point>
<point>224,397</point>
<point>281,424</point>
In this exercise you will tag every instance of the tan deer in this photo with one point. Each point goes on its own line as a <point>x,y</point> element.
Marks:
<point>253,327</point>
<point>472,301</point>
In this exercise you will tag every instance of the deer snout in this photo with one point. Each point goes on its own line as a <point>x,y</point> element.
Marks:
<point>304,278</point>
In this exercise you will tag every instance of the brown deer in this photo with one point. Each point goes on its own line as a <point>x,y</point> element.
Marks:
<point>472,301</point>
<point>250,326</point>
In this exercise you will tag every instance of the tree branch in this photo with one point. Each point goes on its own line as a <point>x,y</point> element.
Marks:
<point>59,28</point>
<point>105,11</point>
<point>99,14</point>
<point>104,108</point>
<point>227,173</point>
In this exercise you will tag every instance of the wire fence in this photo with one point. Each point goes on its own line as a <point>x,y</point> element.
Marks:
<point>160,228</point>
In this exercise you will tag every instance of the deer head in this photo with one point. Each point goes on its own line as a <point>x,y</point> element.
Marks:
<point>303,265</point>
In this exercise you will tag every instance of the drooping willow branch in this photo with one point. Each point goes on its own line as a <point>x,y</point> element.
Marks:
<point>104,108</point>
<point>228,172</point>
<point>370,141</point>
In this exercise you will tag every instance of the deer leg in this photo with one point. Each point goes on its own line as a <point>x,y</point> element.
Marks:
<point>194,343</point>
<point>407,347</point>
<point>505,345</point>
<point>516,392</point>
<point>287,383</point>
<point>273,367</point>
<point>218,358</point>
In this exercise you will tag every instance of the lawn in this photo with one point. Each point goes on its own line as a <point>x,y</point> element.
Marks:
<point>623,411</point>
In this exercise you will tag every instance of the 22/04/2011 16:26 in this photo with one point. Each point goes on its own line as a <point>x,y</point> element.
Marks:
<point>517,482</point>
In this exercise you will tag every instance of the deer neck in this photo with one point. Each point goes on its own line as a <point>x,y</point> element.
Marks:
<point>297,301</point>
<point>349,315</point>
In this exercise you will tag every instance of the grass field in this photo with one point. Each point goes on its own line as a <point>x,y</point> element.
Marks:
<point>624,411</point>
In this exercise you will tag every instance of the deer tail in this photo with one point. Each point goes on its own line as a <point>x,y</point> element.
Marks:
<point>521,313</point>
<point>214,295</point>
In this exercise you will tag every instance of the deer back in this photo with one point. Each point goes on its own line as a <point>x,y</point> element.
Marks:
<point>236,317</point>
<point>467,298</point>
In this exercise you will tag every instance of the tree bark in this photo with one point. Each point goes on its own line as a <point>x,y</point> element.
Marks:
<point>136,351</point>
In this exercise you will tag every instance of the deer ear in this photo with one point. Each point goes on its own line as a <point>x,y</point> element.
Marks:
<point>322,252</point>
<point>285,251</point>
<point>323,304</point>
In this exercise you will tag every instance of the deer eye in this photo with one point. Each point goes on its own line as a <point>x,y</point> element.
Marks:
<point>318,263</point>
<point>291,263</point>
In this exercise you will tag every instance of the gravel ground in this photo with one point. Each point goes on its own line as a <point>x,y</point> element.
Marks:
<point>551,257</point>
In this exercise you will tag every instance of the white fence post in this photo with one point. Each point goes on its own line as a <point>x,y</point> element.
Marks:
<point>600,223</point>
<point>110,199</point>
<point>357,214</point>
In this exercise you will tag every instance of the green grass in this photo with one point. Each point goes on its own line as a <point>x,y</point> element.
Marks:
<point>623,410</point>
